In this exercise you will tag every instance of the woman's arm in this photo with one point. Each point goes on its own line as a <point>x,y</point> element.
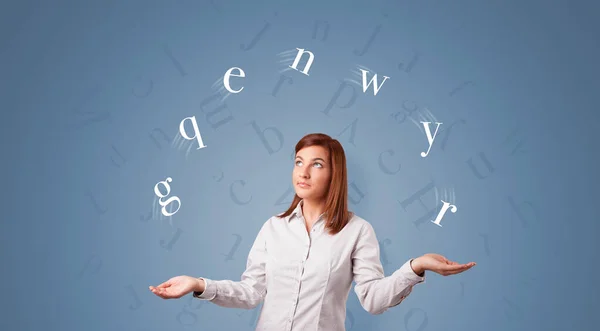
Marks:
<point>247,293</point>
<point>416,267</point>
<point>200,287</point>
<point>376,292</point>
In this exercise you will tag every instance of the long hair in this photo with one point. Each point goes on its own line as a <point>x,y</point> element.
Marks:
<point>336,214</point>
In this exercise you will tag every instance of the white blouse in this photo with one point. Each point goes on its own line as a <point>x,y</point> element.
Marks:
<point>304,278</point>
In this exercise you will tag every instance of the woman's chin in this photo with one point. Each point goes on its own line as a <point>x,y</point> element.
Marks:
<point>302,194</point>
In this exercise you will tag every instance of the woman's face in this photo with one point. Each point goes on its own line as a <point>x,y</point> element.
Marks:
<point>312,173</point>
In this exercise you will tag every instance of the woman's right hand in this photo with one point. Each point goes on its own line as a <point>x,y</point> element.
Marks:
<point>177,287</point>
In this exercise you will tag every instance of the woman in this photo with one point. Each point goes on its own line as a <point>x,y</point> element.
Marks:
<point>304,260</point>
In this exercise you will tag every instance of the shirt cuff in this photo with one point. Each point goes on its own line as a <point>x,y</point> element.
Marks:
<point>210,290</point>
<point>410,274</point>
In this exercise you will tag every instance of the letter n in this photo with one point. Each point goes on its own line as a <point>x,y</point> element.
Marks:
<point>301,52</point>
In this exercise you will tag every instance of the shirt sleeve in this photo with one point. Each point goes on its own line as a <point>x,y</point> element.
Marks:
<point>376,292</point>
<point>247,293</point>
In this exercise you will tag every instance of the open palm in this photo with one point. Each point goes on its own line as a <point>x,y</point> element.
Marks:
<point>442,265</point>
<point>175,287</point>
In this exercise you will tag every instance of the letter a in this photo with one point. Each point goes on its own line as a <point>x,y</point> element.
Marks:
<point>375,87</point>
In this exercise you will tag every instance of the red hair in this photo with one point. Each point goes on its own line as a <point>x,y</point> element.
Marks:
<point>336,214</point>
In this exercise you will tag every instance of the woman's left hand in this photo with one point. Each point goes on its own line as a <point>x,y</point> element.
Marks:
<point>439,264</point>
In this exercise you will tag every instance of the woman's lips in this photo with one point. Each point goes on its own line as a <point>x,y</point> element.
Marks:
<point>303,185</point>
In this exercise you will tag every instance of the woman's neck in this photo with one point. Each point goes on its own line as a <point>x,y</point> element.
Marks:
<point>312,209</point>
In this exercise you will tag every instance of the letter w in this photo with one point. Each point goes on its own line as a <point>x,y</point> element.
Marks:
<point>375,87</point>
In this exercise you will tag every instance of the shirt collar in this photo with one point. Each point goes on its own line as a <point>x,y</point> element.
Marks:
<point>298,211</point>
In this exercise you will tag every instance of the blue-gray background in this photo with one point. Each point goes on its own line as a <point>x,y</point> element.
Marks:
<point>92,94</point>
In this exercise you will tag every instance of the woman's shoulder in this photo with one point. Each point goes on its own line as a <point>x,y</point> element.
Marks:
<point>357,221</point>
<point>275,220</point>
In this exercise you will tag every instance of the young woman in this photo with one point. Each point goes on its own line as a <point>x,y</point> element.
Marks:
<point>304,260</point>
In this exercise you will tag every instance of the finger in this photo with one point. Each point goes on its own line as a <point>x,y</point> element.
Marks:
<point>157,293</point>
<point>464,267</point>
<point>165,284</point>
<point>163,294</point>
<point>157,290</point>
<point>452,267</point>
<point>457,271</point>
<point>470,264</point>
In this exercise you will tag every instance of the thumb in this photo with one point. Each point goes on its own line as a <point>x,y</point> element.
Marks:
<point>165,284</point>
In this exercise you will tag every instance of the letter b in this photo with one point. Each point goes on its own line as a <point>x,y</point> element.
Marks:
<point>261,135</point>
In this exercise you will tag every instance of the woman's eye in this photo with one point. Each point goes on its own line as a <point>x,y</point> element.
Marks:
<point>320,165</point>
<point>298,162</point>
